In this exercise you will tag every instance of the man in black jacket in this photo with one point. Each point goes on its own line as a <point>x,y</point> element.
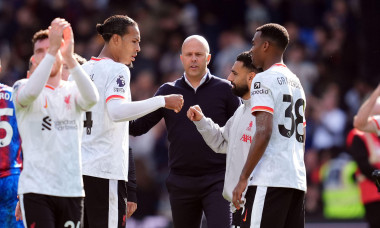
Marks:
<point>196,177</point>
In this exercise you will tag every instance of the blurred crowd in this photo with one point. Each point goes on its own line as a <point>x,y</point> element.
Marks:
<point>333,50</point>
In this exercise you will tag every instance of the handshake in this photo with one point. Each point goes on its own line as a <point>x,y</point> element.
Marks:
<point>376,176</point>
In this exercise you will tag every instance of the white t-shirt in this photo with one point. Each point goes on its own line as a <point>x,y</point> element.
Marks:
<point>52,159</point>
<point>279,92</point>
<point>105,143</point>
<point>376,121</point>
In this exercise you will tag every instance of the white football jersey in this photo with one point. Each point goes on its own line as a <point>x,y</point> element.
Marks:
<point>376,121</point>
<point>105,143</point>
<point>279,92</point>
<point>51,130</point>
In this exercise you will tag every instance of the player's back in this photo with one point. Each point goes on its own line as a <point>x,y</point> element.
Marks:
<point>279,91</point>
<point>10,141</point>
<point>104,142</point>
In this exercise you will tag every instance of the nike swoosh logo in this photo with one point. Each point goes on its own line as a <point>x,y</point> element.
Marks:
<point>45,106</point>
<point>245,217</point>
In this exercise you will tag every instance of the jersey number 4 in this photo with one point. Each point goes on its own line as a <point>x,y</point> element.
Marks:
<point>294,121</point>
<point>88,123</point>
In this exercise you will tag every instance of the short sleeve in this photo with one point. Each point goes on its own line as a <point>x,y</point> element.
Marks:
<point>118,85</point>
<point>262,94</point>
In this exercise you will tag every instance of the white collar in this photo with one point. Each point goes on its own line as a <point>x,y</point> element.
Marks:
<point>200,83</point>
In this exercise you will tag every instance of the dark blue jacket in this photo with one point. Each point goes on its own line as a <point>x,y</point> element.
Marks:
<point>189,155</point>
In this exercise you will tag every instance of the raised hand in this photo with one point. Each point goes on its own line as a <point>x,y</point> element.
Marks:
<point>67,49</point>
<point>55,34</point>
<point>174,102</point>
<point>195,113</point>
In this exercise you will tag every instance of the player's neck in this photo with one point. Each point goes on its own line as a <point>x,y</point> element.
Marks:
<point>54,80</point>
<point>271,61</point>
<point>106,53</point>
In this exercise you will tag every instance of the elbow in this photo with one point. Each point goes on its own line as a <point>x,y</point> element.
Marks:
<point>94,99</point>
<point>115,117</point>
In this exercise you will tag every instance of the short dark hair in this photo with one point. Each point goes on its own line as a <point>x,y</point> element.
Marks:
<point>246,59</point>
<point>80,59</point>
<point>40,35</point>
<point>276,33</point>
<point>116,24</point>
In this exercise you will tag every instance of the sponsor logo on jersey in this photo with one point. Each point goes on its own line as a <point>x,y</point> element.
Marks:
<point>257,85</point>
<point>249,128</point>
<point>260,91</point>
<point>246,138</point>
<point>65,125</point>
<point>67,101</point>
<point>46,123</point>
<point>120,81</point>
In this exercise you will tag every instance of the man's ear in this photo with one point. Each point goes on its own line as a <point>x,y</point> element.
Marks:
<point>266,45</point>
<point>115,38</point>
<point>250,77</point>
<point>208,58</point>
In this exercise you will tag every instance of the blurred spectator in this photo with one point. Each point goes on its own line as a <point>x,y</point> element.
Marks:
<point>330,120</point>
<point>364,148</point>
<point>341,194</point>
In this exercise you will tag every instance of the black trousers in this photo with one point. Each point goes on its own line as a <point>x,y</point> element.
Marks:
<point>190,196</point>
<point>372,211</point>
<point>105,203</point>
<point>272,207</point>
<point>44,211</point>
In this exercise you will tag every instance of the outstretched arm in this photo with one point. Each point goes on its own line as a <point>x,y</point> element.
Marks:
<point>122,110</point>
<point>215,137</point>
<point>362,120</point>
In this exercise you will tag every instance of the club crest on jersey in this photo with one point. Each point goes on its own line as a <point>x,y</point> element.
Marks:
<point>120,81</point>
<point>249,128</point>
<point>67,101</point>
<point>257,85</point>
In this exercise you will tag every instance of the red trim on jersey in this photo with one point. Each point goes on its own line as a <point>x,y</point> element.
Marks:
<point>262,108</point>
<point>377,123</point>
<point>50,87</point>
<point>98,59</point>
<point>114,97</point>
<point>279,64</point>
<point>304,124</point>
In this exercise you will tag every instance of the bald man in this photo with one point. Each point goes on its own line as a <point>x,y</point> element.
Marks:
<point>196,178</point>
